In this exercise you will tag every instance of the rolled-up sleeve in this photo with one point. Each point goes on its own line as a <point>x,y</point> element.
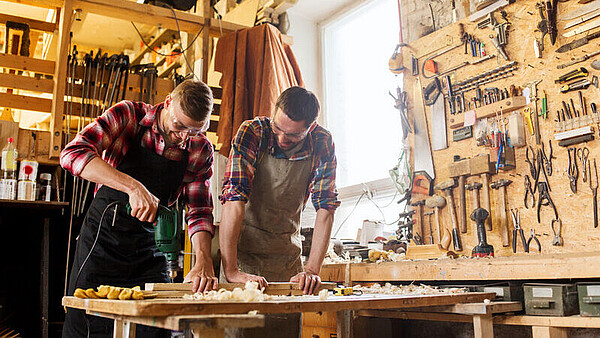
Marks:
<point>324,192</point>
<point>97,136</point>
<point>241,164</point>
<point>196,193</point>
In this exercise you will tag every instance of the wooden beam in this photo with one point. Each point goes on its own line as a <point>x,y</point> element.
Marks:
<point>53,4</point>
<point>26,83</point>
<point>25,102</point>
<point>483,326</point>
<point>548,332</point>
<point>142,13</point>
<point>33,24</point>
<point>519,267</point>
<point>26,63</point>
<point>60,74</point>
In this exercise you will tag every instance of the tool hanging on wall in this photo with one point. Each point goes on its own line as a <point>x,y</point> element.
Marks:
<point>582,19</point>
<point>578,43</point>
<point>436,202</point>
<point>573,171</point>
<point>491,75</point>
<point>556,239</point>
<point>483,249</point>
<point>585,9</point>
<point>501,185</point>
<point>594,189</point>
<point>500,38</point>
<point>446,187</point>
<point>583,28</point>
<point>516,219</point>
<point>423,160</point>
<point>544,199</point>
<point>395,63</point>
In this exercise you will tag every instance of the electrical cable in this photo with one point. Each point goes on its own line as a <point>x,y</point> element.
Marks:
<point>348,216</point>
<point>95,240</point>
<point>181,40</point>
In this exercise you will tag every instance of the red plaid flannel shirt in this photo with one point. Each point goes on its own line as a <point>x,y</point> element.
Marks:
<point>110,136</point>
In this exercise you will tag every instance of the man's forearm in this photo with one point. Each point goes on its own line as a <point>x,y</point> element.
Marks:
<point>229,233</point>
<point>98,171</point>
<point>320,241</point>
<point>201,243</point>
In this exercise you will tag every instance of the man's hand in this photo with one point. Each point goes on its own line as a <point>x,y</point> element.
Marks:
<point>307,282</point>
<point>202,276</point>
<point>143,203</point>
<point>241,277</point>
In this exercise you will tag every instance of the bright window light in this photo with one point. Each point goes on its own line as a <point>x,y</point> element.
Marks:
<point>359,111</point>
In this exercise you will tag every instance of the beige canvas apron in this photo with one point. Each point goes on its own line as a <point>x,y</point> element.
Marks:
<point>270,244</point>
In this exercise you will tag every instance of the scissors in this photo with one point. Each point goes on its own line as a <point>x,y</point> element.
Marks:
<point>583,154</point>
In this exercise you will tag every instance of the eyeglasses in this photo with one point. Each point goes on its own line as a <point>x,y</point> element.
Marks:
<point>182,128</point>
<point>291,136</point>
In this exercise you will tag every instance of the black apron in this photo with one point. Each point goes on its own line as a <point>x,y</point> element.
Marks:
<point>125,253</point>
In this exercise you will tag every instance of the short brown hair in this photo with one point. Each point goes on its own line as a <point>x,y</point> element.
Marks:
<point>298,104</point>
<point>195,99</point>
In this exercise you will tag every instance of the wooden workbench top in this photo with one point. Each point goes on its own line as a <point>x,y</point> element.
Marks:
<point>177,307</point>
<point>518,267</point>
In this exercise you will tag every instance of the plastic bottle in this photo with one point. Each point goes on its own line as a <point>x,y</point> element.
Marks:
<point>8,182</point>
<point>27,179</point>
<point>46,187</point>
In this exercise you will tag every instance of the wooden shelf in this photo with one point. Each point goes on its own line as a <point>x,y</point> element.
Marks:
<point>162,37</point>
<point>168,70</point>
<point>33,204</point>
<point>520,267</point>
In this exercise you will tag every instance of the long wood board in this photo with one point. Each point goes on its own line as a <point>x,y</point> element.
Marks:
<point>171,290</point>
<point>182,307</point>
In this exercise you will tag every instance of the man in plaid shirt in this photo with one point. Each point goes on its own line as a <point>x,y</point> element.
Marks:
<point>142,155</point>
<point>275,164</point>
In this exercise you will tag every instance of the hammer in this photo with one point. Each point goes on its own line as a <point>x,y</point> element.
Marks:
<point>474,188</point>
<point>481,165</point>
<point>447,187</point>
<point>419,205</point>
<point>460,169</point>
<point>436,202</point>
<point>502,184</point>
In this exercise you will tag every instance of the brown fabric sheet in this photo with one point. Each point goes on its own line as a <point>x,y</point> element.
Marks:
<point>256,66</point>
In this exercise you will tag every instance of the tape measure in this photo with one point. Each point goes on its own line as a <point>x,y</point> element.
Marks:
<point>346,291</point>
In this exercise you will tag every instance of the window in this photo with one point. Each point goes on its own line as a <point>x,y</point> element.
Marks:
<point>358,109</point>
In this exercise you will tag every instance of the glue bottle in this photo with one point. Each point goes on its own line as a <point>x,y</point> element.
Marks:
<point>8,182</point>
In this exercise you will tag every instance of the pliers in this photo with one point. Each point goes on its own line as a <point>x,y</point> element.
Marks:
<point>573,171</point>
<point>548,159</point>
<point>528,191</point>
<point>557,239</point>
<point>517,229</point>
<point>594,189</point>
<point>531,162</point>
<point>583,154</point>
<point>545,200</point>
<point>537,241</point>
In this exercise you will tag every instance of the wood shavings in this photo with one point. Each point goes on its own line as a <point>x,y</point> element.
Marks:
<point>378,256</point>
<point>250,293</point>
<point>323,294</point>
<point>111,292</point>
<point>389,289</point>
<point>332,258</point>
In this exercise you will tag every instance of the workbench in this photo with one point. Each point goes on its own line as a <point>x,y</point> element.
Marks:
<point>183,314</point>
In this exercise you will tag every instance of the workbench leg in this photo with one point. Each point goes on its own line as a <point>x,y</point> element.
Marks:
<point>483,325</point>
<point>124,329</point>
<point>548,332</point>
<point>345,321</point>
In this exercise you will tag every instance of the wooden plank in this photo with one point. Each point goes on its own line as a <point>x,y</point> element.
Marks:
<point>155,42</point>
<point>229,286</point>
<point>542,321</point>
<point>199,322</point>
<point>26,63</point>
<point>40,3</point>
<point>519,267</point>
<point>25,102</point>
<point>26,83</point>
<point>60,75</point>
<point>168,307</point>
<point>33,24</point>
<point>490,110</point>
<point>474,308</point>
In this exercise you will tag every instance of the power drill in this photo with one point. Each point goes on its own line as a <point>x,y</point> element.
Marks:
<point>166,236</point>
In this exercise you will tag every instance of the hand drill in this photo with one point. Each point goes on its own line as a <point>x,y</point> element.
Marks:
<point>166,236</point>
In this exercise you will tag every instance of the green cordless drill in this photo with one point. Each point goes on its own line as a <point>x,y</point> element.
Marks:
<point>166,236</point>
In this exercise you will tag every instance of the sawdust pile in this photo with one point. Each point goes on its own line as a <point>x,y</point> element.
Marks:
<point>389,289</point>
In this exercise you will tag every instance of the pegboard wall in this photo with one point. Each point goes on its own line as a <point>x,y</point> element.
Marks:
<point>574,209</point>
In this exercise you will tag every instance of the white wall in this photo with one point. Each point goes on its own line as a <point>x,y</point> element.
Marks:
<point>306,49</point>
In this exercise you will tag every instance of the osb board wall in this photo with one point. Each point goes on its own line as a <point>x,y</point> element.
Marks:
<point>575,210</point>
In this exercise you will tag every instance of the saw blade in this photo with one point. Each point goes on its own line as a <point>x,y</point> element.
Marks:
<point>587,8</point>
<point>422,148</point>
<point>584,28</point>
<point>439,137</point>
<point>583,19</point>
